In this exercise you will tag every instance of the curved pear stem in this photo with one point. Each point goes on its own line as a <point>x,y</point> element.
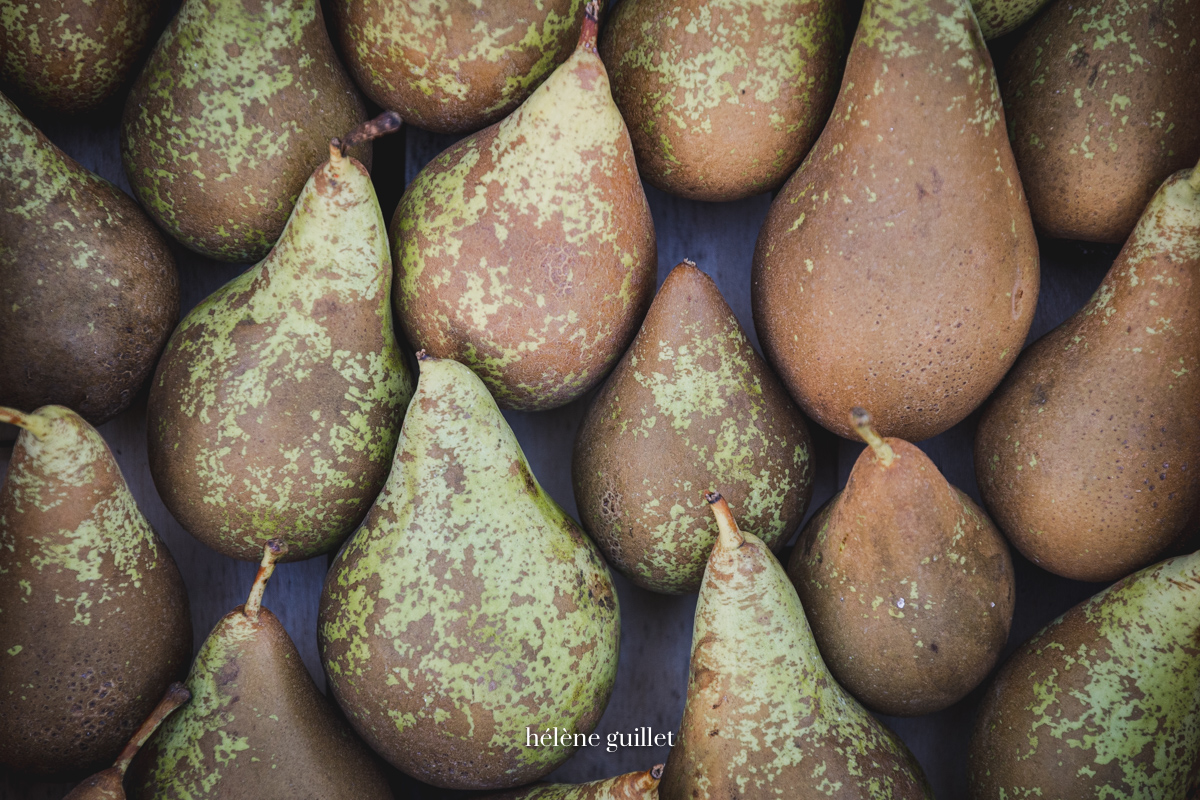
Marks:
<point>176,696</point>
<point>861,421</point>
<point>272,552</point>
<point>1194,180</point>
<point>30,422</point>
<point>591,26</point>
<point>648,781</point>
<point>385,123</point>
<point>729,538</point>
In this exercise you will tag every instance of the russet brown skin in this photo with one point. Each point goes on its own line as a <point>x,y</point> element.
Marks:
<point>723,99</point>
<point>907,585</point>
<point>1102,106</point>
<point>89,292</point>
<point>898,268</point>
<point>92,631</point>
<point>1088,455</point>
<point>690,403</point>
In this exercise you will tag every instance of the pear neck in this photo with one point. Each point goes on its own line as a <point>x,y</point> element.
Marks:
<point>273,550</point>
<point>38,426</point>
<point>591,27</point>
<point>1194,179</point>
<point>729,537</point>
<point>861,421</point>
<point>176,696</point>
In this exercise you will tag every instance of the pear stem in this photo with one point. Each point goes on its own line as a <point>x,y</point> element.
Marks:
<point>176,696</point>
<point>272,552</point>
<point>1194,179</point>
<point>861,421</point>
<point>591,26</point>
<point>651,778</point>
<point>730,538</point>
<point>385,123</point>
<point>30,422</point>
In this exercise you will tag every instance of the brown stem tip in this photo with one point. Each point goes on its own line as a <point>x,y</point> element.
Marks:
<point>591,26</point>
<point>729,537</point>
<point>861,421</point>
<point>423,356</point>
<point>385,123</point>
<point>36,425</point>
<point>176,696</point>
<point>272,552</point>
<point>656,772</point>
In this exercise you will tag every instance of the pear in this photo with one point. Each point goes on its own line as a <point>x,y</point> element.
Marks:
<point>723,99</point>
<point>469,608</point>
<point>908,586</point>
<point>110,784</point>
<point>898,268</point>
<point>630,786</point>
<point>1087,454</point>
<point>1102,702</point>
<point>690,401</point>
<point>764,718</point>
<point>70,56</point>
<point>527,251</point>
<point>94,621</point>
<point>454,66</point>
<point>88,287</point>
<point>256,726</point>
<point>276,406</point>
<point>230,116</point>
<point>1102,107</point>
<point>998,17</point>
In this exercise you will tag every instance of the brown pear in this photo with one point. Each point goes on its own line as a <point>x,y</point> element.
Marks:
<point>1087,455</point>
<point>690,404</point>
<point>527,250</point>
<point>94,621</point>
<point>908,586</point>
<point>898,268</point>
<point>1102,106</point>
<point>110,784</point>
<point>630,786</point>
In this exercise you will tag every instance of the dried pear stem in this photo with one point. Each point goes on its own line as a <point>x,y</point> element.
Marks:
<point>648,780</point>
<point>861,421</point>
<point>272,552</point>
<point>1194,179</point>
<point>591,26</point>
<point>385,123</point>
<point>30,422</point>
<point>176,696</point>
<point>730,538</point>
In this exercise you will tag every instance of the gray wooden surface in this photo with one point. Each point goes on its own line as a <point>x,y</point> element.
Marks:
<point>656,630</point>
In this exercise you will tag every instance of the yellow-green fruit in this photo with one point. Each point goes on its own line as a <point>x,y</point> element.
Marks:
<point>1104,702</point>
<point>1102,106</point>
<point>469,606</point>
<point>231,114</point>
<point>70,55</point>
<point>723,98</point>
<point>454,66</point>
<point>998,17</point>
<point>527,250</point>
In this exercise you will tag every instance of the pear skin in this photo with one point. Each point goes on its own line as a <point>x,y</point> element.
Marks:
<point>1104,701</point>
<point>908,586</point>
<point>256,726</point>
<point>527,250</point>
<point>1086,456</point>
<point>94,621</point>
<point>898,268</point>
<point>454,66</point>
<point>689,401</point>
<point>1102,108</point>
<point>89,292</point>
<point>276,406</point>
<point>230,116</point>
<point>998,17</point>
<point>764,718</point>
<point>630,786</point>
<point>723,99</point>
<point>469,606</point>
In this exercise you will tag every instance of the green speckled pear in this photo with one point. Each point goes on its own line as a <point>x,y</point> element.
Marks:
<point>630,786</point>
<point>1087,454</point>
<point>723,97</point>
<point>275,408</point>
<point>94,621</point>
<point>764,718</point>
<point>256,726</point>
<point>998,17</point>
<point>468,606</point>
<point>1104,702</point>
<point>527,250</point>
<point>690,404</point>
<point>70,56</point>
<point>89,292</point>
<point>454,66</point>
<point>230,116</point>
